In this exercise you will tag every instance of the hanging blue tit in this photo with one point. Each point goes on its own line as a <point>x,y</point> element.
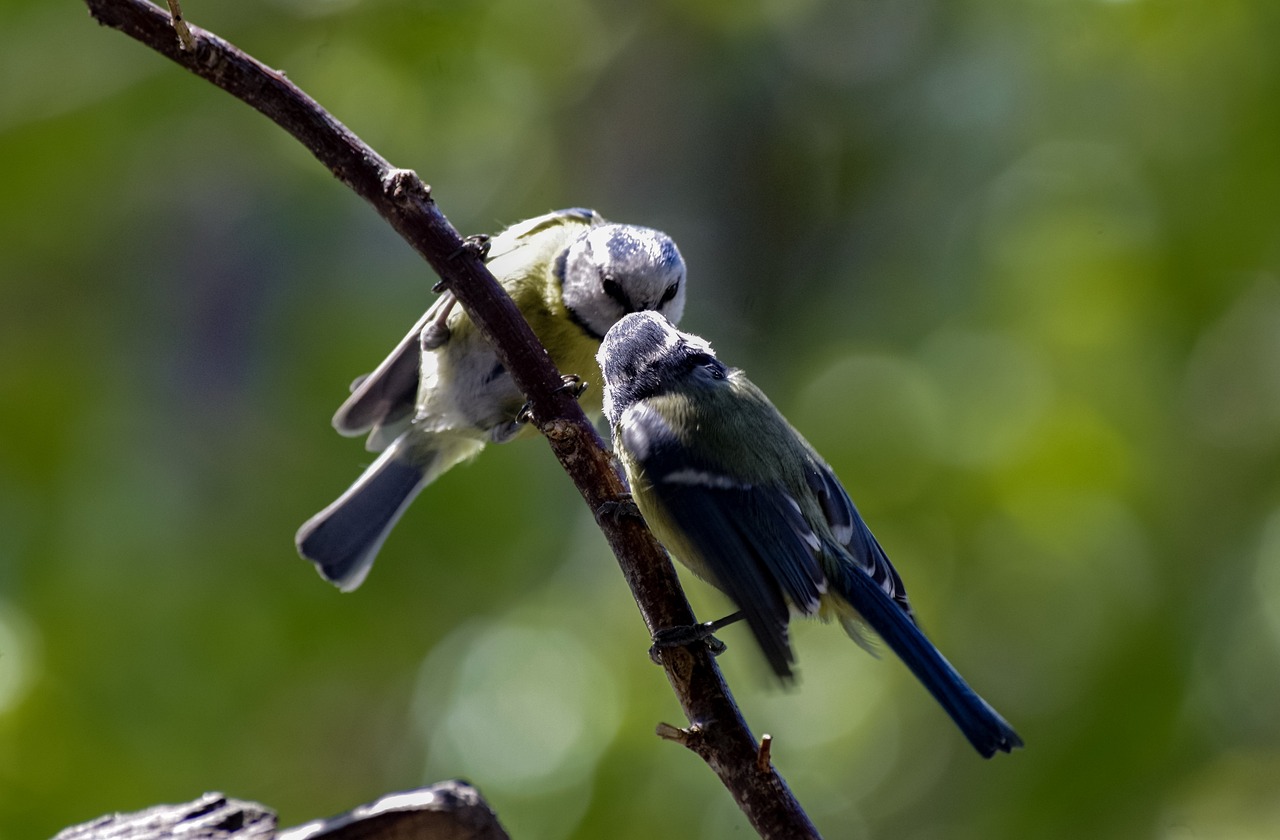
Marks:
<point>744,501</point>
<point>442,394</point>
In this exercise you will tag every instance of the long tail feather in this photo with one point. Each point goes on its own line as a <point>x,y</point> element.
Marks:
<point>343,539</point>
<point>981,724</point>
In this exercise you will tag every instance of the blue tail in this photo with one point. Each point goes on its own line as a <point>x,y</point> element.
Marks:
<point>343,539</point>
<point>981,724</point>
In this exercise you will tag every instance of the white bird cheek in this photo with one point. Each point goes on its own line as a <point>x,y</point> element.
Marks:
<point>633,430</point>
<point>595,309</point>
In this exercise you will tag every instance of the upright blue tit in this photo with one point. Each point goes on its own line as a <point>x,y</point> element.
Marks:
<point>744,501</point>
<point>442,394</point>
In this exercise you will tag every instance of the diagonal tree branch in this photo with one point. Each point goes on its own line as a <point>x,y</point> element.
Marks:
<point>717,731</point>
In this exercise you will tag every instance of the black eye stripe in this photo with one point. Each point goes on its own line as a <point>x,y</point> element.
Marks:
<point>614,290</point>
<point>701,359</point>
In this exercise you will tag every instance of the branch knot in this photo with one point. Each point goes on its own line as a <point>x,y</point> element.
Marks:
<point>691,737</point>
<point>404,186</point>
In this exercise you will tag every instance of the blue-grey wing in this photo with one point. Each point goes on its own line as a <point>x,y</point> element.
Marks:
<point>388,393</point>
<point>751,539</point>
<point>514,237</point>
<point>852,533</point>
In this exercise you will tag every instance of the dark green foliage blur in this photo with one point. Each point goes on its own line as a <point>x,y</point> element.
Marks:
<point>1013,267</point>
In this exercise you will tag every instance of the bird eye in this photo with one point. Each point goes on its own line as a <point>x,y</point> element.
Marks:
<point>614,290</point>
<point>706,360</point>
<point>670,293</point>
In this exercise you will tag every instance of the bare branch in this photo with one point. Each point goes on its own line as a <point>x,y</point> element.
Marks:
<point>718,733</point>
<point>185,39</point>
<point>764,758</point>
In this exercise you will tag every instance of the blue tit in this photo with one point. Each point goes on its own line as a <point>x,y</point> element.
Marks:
<point>736,494</point>
<point>442,394</point>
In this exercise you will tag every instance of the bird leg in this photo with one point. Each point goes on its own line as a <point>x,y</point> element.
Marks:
<point>569,382</point>
<point>616,510</point>
<point>691,634</point>
<point>436,332</point>
<point>572,383</point>
<point>476,243</point>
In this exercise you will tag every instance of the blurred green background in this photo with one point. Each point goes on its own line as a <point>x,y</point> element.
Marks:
<point>1011,266</point>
